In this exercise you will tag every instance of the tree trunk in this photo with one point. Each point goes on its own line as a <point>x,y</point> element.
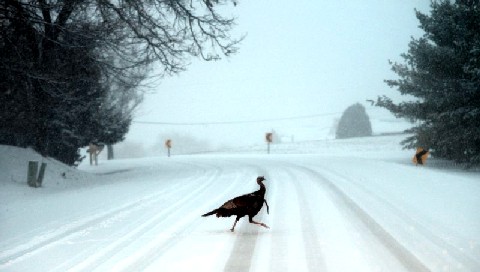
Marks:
<point>110,152</point>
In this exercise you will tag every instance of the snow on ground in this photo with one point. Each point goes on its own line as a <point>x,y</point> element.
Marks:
<point>335,205</point>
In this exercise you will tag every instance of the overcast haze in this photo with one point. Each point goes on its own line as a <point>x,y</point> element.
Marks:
<point>299,58</point>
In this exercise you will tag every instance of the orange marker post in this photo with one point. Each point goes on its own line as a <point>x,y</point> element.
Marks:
<point>269,139</point>
<point>168,145</point>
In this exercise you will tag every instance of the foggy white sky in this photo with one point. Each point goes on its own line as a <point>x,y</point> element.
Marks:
<point>299,58</point>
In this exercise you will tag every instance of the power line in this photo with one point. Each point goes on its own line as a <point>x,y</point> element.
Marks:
<point>234,122</point>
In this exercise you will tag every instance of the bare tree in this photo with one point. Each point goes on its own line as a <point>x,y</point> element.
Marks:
<point>167,31</point>
<point>58,57</point>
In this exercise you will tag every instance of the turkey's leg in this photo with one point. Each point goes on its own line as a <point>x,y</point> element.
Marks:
<point>234,224</point>
<point>259,223</point>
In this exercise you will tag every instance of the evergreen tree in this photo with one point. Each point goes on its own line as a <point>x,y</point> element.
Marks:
<point>442,72</point>
<point>354,123</point>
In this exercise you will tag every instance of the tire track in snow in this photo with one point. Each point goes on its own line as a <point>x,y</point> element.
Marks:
<point>313,248</point>
<point>241,255</point>
<point>70,230</point>
<point>293,201</point>
<point>240,258</point>
<point>174,234</point>
<point>135,233</point>
<point>279,248</point>
<point>10,256</point>
<point>402,254</point>
<point>468,262</point>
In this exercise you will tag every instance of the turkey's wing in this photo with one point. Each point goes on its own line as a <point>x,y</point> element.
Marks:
<point>240,201</point>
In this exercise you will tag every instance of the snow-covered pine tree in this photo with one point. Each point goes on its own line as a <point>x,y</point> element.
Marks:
<point>354,123</point>
<point>442,71</point>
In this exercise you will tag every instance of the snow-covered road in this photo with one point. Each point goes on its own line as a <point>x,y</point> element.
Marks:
<point>326,214</point>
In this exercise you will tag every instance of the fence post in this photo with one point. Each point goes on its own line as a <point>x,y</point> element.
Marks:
<point>41,174</point>
<point>32,173</point>
<point>32,179</point>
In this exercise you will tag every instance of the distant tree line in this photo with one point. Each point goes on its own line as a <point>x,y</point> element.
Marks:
<point>442,72</point>
<point>70,70</point>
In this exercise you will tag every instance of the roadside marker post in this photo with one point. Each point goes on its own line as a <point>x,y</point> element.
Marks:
<point>168,145</point>
<point>269,138</point>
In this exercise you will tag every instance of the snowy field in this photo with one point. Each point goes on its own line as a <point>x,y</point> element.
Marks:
<point>335,205</point>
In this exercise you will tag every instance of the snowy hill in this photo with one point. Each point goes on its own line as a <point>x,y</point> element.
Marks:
<point>336,205</point>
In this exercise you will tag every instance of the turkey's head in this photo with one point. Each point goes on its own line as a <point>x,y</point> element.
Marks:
<point>260,179</point>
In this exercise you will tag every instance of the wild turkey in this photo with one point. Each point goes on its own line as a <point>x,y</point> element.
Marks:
<point>249,204</point>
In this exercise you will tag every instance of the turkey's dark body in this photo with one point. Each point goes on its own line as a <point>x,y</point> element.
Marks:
<point>248,204</point>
